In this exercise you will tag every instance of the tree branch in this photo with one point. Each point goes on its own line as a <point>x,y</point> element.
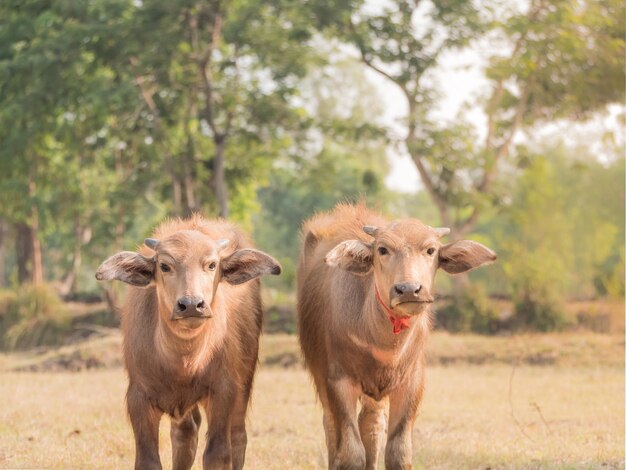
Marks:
<point>146,94</point>
<point>430,187</point>
<point>203,61</point>
<point>503,150</point>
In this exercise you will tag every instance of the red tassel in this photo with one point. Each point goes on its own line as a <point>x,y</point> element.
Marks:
<point>398,323</point>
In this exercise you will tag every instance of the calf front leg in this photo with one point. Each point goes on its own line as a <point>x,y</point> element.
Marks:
<point>372,427</point>
<point>184,436</point>
<point>144,419</point>
<point>403,406</point>
<point>331,435</point>
<point>342,396</point>
<point>329,420</point>
<point>218,453</point>
<point>238,434</point>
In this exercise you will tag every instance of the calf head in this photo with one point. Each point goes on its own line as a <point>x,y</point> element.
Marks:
<point>404,257</point>
<point>187,268</point>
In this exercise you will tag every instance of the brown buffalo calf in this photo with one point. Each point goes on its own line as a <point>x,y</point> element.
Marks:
<point>365,286</point>
<point>191,330</point>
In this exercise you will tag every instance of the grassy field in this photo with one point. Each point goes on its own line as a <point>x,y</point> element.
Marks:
<point>534,401</point>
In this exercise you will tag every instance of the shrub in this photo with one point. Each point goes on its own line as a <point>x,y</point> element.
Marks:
<point>32,316</point>
<point>472,311</point>
<point>280,311</point>
<point>538,310</point>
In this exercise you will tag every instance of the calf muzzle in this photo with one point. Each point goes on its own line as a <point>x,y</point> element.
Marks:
<point>190,307</point>
<point>408,292</point>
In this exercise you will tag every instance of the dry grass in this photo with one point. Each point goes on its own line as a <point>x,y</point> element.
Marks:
<point>558,415</point>
<point>603,315</point>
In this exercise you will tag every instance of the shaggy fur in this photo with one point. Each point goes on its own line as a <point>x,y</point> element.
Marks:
<point>348,342</point>
<point>176,366</point>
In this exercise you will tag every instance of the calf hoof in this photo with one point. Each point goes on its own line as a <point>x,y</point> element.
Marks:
<point>398,456</point>
<point>218,458</point>
<point>353,460</point>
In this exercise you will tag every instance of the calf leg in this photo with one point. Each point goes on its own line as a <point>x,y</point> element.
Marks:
<point>218,452</point>
<point>403,406</point>
<point>331,435</point>
<point>342,399</point>
<point>329,420</point>
<point>184,436</point>
<point>372,427</point>
<point>144,419</point>
<point>238,434</point>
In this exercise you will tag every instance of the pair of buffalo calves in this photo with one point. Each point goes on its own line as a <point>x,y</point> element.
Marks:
<point>192,320</point>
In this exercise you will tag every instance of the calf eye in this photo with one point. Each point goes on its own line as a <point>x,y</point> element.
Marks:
<point>383,251</point>
<point>212,266</point>
<point>164,267</point>
<point>430,251</point>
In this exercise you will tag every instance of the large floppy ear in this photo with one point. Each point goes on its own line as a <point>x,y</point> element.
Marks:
<point>129,267</point>
<point>461,256</point>
<point>351,255</point>
<point>246,264</point>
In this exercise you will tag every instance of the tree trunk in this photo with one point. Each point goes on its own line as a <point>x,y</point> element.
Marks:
<point>190,192</point>
<point>28,251</point>
<point>2,253</point>
<point>28,246</point>
<point>37,263</point>
<point>23,252</point>
<point>219,177</point>
<point>176,195</point>
<point>190,182</point>
<point>82,237</point>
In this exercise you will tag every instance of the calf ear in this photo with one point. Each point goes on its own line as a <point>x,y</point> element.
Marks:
<point>352,255</point>
<point>461,256</point>
<point>246,264</point>
<point>129,267</point>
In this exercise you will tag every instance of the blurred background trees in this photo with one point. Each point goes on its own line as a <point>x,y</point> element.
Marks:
<point>117,113</point>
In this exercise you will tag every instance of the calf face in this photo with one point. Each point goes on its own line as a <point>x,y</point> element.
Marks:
<point>187,269</point>
<point>404,257</point>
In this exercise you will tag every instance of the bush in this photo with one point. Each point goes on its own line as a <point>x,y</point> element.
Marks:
<point>537,310</point>
<point>280,311</point>
<point>280,319</point>
<point>32,316</point>
<point>472,311</point>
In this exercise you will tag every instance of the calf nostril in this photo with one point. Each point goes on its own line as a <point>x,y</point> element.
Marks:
<point>398,289</point>
<point>181,306</point>
<point>417,290</point>
<point>201,304</point>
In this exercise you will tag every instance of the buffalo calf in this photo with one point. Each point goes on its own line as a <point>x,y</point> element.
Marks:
<point>365,286</point>
<point>191,326</point>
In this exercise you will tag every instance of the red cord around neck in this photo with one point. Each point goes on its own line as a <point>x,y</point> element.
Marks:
<point>399,323</point>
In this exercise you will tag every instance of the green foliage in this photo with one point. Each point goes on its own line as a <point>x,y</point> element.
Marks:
<point>114,114</point>
<point>569,57</point>
<point>103,115</point>
<point>561,237</point>
<point>538,254</point>
<point>470,312</point>
<point>32,316</point>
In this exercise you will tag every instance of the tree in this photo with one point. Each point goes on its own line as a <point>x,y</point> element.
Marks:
<point>71,159</point>
<point>224,71</point>
<point>113,105</point>
<point>561,53</point>
<point>561,236</point>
